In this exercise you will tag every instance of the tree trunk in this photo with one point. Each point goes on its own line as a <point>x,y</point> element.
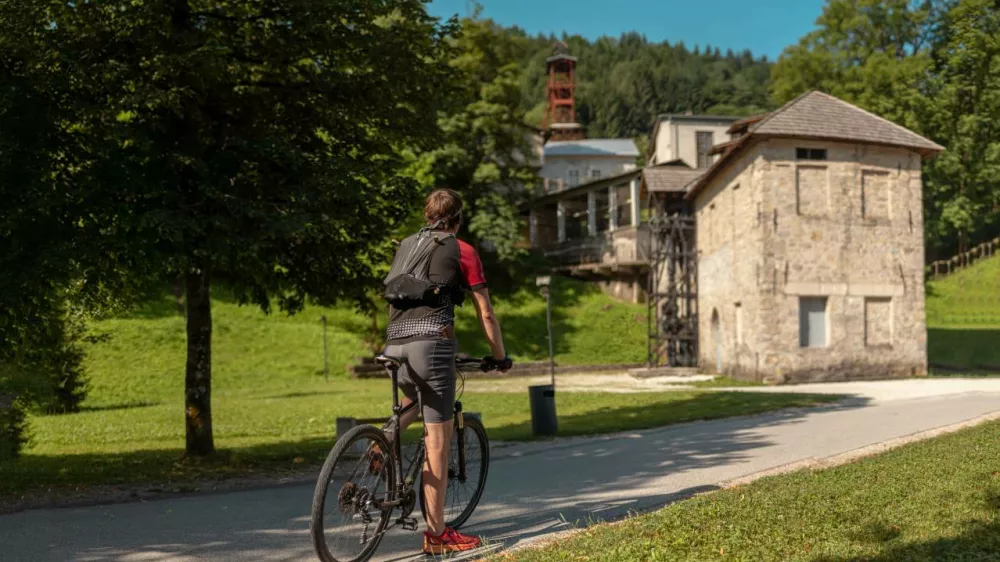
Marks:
<point>198,374</point>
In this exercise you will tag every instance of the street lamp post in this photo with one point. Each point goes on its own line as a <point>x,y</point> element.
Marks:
<point>543,397</point>
<point>545,284</point>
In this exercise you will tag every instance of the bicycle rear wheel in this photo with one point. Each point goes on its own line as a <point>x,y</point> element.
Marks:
<point>463,494</point>
<point>347,518</point>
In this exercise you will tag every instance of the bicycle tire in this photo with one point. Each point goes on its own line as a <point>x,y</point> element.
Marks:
<point>473,427</point>
<point>340,452</point>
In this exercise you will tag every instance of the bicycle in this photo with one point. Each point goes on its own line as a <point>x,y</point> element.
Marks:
<point>367,505</point>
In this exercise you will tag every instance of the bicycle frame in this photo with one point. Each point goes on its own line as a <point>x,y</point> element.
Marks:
<point>407,481</point>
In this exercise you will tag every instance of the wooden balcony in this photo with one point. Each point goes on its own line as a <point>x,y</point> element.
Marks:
<point>626,247</point>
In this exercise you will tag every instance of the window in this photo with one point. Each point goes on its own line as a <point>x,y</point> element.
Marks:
<point>812,321</point>
<point>595,174</point>
<point>810,154</point>
<point>704,141</point>
<point>603,205</point>
<point>623,206</point>
<point>876,200</point>
<point>574,177</point>
<point>878,322</point>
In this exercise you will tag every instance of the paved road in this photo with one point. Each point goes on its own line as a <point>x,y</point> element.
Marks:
<point>533,489</point>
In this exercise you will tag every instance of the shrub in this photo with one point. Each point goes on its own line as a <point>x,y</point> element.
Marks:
<point>13,427</point>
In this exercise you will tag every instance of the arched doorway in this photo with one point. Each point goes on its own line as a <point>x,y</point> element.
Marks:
<point>717,340</point>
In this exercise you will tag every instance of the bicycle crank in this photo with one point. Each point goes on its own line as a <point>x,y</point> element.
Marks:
<point>407,523</point>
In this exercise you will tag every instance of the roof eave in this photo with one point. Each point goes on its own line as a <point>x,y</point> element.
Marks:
<point>584,187</point>
<point>700,182</point>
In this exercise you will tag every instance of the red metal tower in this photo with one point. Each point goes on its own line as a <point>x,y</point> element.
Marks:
<point>560,116</point>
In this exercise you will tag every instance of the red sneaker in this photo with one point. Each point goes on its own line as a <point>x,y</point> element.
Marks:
<point>449,541</point>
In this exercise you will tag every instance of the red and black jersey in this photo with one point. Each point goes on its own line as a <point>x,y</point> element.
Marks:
<point>456,265</point>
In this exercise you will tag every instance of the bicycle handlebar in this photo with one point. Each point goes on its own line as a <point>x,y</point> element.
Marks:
<point>486,364</point>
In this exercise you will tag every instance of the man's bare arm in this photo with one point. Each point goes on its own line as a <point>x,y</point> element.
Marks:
<point>488,321</point>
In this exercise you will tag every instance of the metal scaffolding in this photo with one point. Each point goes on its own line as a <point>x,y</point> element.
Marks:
<point>673,292</point>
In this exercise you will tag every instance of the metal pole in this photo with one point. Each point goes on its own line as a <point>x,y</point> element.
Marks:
<point>326,353</point>
<point>548,323</point>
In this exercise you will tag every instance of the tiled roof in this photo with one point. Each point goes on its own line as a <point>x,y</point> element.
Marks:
<point>661,179</point>
<point>815,115</point>
<point>818,115</point>
<point>592,147</point>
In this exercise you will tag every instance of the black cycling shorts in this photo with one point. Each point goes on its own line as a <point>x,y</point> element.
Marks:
<point>429,370</point>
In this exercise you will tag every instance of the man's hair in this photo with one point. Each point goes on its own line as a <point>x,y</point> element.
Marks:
<point>443,206</point>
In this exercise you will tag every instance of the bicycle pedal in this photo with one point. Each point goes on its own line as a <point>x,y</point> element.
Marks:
<point>408,523</point>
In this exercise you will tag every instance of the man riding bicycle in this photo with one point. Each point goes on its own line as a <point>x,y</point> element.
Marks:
<point>424,335</point>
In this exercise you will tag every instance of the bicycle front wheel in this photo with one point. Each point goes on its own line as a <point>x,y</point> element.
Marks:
<point>464,492</point>
<point>348,517</point>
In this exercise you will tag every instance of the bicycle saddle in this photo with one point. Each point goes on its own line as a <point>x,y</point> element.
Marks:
<point>393,362</point>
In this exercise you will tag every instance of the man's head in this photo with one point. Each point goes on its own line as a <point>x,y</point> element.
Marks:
<point>444,209</point>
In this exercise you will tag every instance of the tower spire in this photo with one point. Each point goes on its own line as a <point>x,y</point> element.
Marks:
<point>560,115</point>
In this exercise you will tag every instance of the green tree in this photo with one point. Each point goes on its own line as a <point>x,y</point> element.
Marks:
<point>255,144</point>
<point>624,83</point>
<point>963,113</point>
<point>930,66</point>
<point>486,153</point>
<point>872,53</point>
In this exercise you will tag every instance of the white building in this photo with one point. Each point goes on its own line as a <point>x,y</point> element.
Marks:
<point>572,163</point>
<point>688,138</point>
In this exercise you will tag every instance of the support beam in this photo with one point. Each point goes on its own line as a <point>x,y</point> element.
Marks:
<point>592,213</point>
<point>613,208</point>
<point>561,220</point>
<point>634,201</point>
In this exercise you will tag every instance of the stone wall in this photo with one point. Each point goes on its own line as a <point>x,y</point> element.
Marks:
<point>848,229</point>
<point>729,252</point>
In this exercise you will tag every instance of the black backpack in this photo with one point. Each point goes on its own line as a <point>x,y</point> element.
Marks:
<point>408,284</point>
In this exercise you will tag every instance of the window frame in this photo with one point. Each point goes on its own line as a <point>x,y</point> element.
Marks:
<point>573,175</point>
<point>807,154</point>
<point>706,155</point>
<point>805,335</point>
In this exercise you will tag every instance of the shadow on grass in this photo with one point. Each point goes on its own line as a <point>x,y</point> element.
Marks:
<point>979,541</point>
<point>113,407</point>
<point>702,406</point>
<point>299,394</point>
<point>34,473</point>
<point>964,351</point>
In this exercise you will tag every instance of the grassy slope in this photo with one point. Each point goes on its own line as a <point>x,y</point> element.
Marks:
<point>935,500</point>
<point>963,317</point>
<point>271,404</point>
<point>588,326</point>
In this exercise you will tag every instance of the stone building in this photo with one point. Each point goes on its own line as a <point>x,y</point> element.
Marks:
<point>810,247</point>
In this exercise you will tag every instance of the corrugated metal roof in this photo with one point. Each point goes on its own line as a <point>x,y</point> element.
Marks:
<point>592,147</point>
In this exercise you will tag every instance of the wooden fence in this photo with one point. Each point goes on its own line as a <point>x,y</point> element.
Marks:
<point>942,268</point>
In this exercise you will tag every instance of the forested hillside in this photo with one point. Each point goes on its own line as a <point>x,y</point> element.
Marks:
<point>622,84</point>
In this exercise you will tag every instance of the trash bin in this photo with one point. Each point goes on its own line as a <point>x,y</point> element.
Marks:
<point>543,409</point>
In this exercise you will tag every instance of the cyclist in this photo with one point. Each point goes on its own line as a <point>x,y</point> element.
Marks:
<point>424,335</point>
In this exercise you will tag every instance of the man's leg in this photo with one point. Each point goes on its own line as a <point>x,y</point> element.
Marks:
<point>436,440</point>
<point>405,420</point>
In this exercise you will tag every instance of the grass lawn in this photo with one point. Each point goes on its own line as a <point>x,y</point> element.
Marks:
<point>934,500</point>
<point>273,410</point>
<point>963,318</point>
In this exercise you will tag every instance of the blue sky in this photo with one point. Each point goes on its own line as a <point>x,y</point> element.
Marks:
<point>763,26</point>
